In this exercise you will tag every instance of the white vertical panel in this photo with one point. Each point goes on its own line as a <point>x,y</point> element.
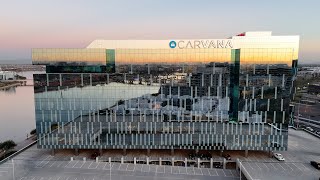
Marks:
<point>253,88</point>
<point>269,81</point>
<point>247,79</point>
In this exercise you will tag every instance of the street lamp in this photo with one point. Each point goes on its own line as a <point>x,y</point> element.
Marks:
<point>13,177</point>
<point>240,169</point>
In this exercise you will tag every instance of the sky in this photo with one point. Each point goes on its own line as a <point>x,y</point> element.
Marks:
<point>76,23</point>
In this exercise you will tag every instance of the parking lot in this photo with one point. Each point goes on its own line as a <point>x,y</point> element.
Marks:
<point>303,148</point>
<point>60,167</point>
<point>39,164</point>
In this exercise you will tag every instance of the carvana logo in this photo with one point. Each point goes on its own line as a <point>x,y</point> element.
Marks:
<point>172,44</point>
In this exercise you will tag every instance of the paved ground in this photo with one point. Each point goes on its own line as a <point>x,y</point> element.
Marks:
<point>25,143</point>
<point>35,164</point>
<point>303,148</point>
<point>50,168</point>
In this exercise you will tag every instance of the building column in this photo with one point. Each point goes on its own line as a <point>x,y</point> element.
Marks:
<point>172,152</point>
<point>246,153</point>
<point>237,162</point>
<point>224,163</point>
<point>53,152</point>
<point>76,151</point>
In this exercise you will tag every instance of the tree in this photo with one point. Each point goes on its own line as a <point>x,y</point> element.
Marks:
<point>33,132</point>
<point>54,126</point>
<point>7,145</point>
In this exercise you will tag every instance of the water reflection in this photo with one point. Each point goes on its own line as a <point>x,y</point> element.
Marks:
<point>17,114</point>
<point>10,90</point>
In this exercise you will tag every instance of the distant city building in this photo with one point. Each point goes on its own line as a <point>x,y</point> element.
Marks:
<point>309,72</point>
<point>314,88</point>
<point>205,94</point>
<point>7,75</point>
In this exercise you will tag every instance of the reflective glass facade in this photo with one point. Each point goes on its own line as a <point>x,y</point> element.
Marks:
<point>232,94</point>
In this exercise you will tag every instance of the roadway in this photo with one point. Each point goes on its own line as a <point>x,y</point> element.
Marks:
<point>307,116</point>
<point>308,111</point>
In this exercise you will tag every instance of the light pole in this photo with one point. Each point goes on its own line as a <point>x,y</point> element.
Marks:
<point>110,170</point>
<point>13,177</point>
<point>240,168</point>
<point>298,117</point>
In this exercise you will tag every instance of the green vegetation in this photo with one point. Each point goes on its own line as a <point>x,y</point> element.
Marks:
<point>304,82</point>
<point>54,126</point>
<point>7,155</point>
<point>155,94</point>
<point>20,77</point>
<point>33,132</point>
<point>7,145</point>
<point>120,102</point>
<point>4,84</point>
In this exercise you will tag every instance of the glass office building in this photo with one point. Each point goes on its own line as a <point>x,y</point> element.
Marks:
<point>204,94</point>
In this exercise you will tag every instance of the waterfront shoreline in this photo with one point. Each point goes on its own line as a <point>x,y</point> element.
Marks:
<point>14,83</point>
<point>10,85</point>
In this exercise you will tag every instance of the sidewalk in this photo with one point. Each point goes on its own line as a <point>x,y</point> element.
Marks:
<point>21,146</point>
<point>24,143</point>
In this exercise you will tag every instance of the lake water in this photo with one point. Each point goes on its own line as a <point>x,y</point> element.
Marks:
<point>17,114</point>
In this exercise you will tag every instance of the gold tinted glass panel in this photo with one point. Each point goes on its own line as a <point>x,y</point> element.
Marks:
<point>171,56</point>
<point>69,56</point>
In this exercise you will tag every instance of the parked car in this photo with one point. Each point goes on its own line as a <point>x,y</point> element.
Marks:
<point>309,128</point>
<point>94,155</point>
<point>227,156</point>
<point>275,144</point>
<point>192,156</point>
<point>205,156</point>
<point>315,164</point>
<point>217,165</point>
<point>278,156</point>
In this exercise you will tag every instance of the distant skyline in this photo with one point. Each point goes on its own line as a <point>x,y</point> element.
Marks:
<point>63,24</point>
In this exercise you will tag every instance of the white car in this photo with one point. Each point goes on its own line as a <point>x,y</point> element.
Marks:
<point>278,156</point>
<point>309,128</point>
